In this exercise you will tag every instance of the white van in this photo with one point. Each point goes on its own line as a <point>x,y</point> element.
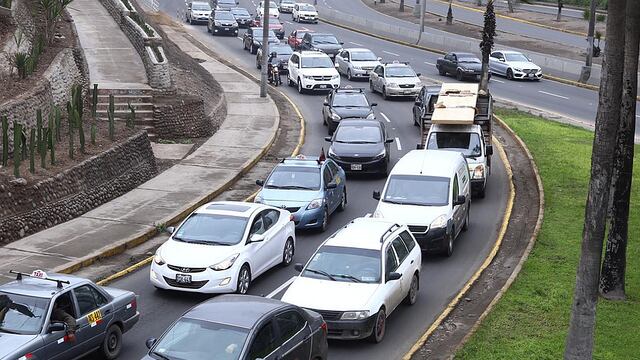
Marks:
<point>429,190</point>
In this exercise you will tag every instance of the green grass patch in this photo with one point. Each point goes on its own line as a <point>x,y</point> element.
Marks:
<point>531,320</point>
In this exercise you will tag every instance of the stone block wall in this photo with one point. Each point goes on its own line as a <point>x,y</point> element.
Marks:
<point>27,209</point>
<point>182,117</point>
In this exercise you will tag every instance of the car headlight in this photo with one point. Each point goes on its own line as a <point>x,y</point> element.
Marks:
<point>371,116</point>
<point>355,315</point>
<point>157,258</point>
<point>382,154</point>
<point>336,76</point>
<point>517,69</point>
<point>225,264</point>
<point>478,172</point>
<point>217,23</point>
<point>335,116</point>
<point>315,204</point>
<point>439,222</point>
<point>309,77</point>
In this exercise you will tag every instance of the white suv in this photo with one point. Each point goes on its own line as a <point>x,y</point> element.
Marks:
<point>358,276</point>
<point>312,70</point>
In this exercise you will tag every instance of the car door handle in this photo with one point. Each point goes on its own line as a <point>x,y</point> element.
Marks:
<point>108,311</point>
<point>411,261</point>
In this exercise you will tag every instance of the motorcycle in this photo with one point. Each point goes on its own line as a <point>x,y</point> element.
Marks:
<point>274,75</point>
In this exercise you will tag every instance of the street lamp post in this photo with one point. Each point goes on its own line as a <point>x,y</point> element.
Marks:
<point>585,73</point>
<point>416,9</point>
<point>265,49</point>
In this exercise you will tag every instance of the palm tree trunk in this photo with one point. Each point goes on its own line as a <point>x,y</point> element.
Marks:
<point>510,5</point>
<point>559,16</point>
<point>612,285</point>
<point>579,344</point>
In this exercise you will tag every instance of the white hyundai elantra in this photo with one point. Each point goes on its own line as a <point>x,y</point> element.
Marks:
<point>222,246</point>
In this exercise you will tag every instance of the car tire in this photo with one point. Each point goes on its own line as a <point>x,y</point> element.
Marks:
<point>112,343</point>
<point>254,50</point>
<point>290,82</point>
<point>325,220</point>
<point>244,280</point>
<point>288,252</point>
<point>379,327</point>
<point>384,93</point>
<point>442,72</point>
<point>300,88</point>
<point>509,74</point>
<point>258,63</point>
<point>343,200</point>
<point>371,87</point>
<point>465,227</point>
<point>349,76</point>
<point>459,75</point>
<point>412,294</point>
<point>449,250</point>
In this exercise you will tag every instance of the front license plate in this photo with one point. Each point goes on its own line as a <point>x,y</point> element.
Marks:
<point>183,279</point>
<point>530,75</point>
<point>407,92</point>
<point>356,167</point>
<point>322,86</point>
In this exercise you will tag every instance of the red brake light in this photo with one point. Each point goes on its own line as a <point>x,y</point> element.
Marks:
<point>324,327</point>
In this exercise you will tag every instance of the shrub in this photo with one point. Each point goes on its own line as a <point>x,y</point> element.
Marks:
<point>6,4</point>
<point>140,21</point>
<point>600,17</point>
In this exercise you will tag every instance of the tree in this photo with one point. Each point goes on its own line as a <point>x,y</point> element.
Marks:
<point>612,284</point>
<point>579,343</point>
<point>560,5</point>
<point>510,5</point>
<point>401,5</point>
<point>488,33</point>
<point>585,72</point>
<point>53,10</point>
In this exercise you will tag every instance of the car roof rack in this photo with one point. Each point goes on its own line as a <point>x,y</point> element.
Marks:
<point>389,231</point>
<point>39,274</point>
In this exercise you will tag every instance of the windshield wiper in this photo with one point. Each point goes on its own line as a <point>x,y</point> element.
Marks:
<point>321,272</point>
<point>350,277</point>
<point>161,356</point>
<point>294,187</point>
<point>362,142</point>
<point>178,239</point>
<point>205,242</point>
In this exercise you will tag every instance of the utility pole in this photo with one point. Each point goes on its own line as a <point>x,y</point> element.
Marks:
<point>586,69</point>
<point>422,6</point>
<point>265,49</point>
<point>416,9</point>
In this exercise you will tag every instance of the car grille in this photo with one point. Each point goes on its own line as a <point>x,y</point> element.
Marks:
<point>418,229</point>
<point>322,78</point>
<point>226,25</point>
<point>292,209</point>
<point>529,71</point>
<point>407,86</point>
<point>328,314</point>
<point>367,68</point>
<point>350,160</point>
<point>193,285</point>
<point>185,269</point>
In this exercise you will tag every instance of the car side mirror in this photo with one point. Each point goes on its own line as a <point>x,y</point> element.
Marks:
<point>461,200</point>
<point>260,182</point>
<point>57,327</point>
<point>298,267</point>
<point>327,138</point>
<point>393,276</point>
<point>332,185</point>
<point>256,238</point>
<point>336,65</point>
<point>326,102</point>
<point>376,195</point>
<point>379,58</point>
<point>374,104</point>
<point>150,342</point>
<point>170,229</point>
<point>489,150</point>
<point>501,59</point>
<point>418,74</point>
<point>389,141</point>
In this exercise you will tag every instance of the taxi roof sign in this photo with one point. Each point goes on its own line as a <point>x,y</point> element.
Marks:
<point>39,274</point>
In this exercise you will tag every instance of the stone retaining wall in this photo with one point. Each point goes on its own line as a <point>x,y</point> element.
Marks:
<point>27,209</point>
<point>183,117</point>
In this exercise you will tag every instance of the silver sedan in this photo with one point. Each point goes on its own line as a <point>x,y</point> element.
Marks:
<point>513,65</point>
<point>356,63</point>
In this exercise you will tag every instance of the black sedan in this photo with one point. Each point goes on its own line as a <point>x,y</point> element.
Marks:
<point>252,39</point>
<point>346,103</point>
<point>462,65</point>
<point>243,327</point>
<point>360,146</point>
<point>242,16</point>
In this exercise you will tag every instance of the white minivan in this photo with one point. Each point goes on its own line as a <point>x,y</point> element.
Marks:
<point>429,190</point>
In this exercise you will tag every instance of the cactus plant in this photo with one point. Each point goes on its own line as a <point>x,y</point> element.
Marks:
<point>17,137</point>
<point>93,133</point>
<point>25,146</point>
<point>43,148</point>
<point>32,155</point>
<point>131,119</point>
<point>110,114</point>
<point>51,139</point>
<point>71,121</point>
<point>94,102</point>
<point>5,141</point>
<point>39,129</point>
<point>58,120</point>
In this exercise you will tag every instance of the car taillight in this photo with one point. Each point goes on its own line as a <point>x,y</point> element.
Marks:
<point>291,218</point>
<point>26,356</point>
<point>324,327</point>
<point>133,304</point>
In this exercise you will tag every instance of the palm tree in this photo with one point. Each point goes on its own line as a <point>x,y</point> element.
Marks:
<point>488,33</point>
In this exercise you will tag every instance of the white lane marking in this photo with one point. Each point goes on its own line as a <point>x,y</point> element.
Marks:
<point>390,53</point>
<point>289,22</point>
<point>398,144</point>
<point>428,63</point>
<point>498,81</point>
<point>385,117</point>
<point>355,43</point>
<point>552,94</point>
<point>280,288</point>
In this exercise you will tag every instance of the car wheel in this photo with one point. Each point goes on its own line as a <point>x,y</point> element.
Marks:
<point>254,49</point>
<point>289,81</point>
<point>384,93</point>
<point>371,87</point>
<point>112,343</point>
<point>449,250</point>
<point>343,200</point>
<point>349,76</point>
<point>300,88</point>
<point>442,72</point>
<point>412,295</point>
<point>325,220</point>
<point>287,253</point>
<point>244,279</point>
<point>379,327</point>
<point>258,63</point>
<point>509,74</point>
<point>465,227</point>
<point>459,75</point>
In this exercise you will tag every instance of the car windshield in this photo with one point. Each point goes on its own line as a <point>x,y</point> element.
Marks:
<point>20,314</point>
<point>257,34</point>
<point>281,49</point>
<point>363,56</point>
<point>201,7</point>
<point>324,39</point>
<point>466,143</point>
<point>198,339</point>
<point>417,190</point>
<point>240,12</point>
<point>350,100</point>
<point>516,57</point>
<point>400,71</point>
<point>317,62</point>
<point>307,7</point>
<point>472,60</point>
<point>212,229</point>
<point>224,15</point>
<point>294,178</point>
<point>358,134</point>
<point>338,263</point>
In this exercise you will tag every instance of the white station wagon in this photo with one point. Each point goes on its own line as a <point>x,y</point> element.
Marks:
<point>359,276</point>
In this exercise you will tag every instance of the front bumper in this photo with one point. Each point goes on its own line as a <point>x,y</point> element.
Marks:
<point>245,23</point>
<point>199,19</point>
<point>312,84</point>
<point>527,75</point>
<point>225,30</point>
<point>308,18</point>
<point>362,166</point>
<point>350,329</point>
<point>362,73</point>
<point>208,281</point>
<point>398,91</point>
<point>432,240</point>
<point>286,9</point>
<point>307,219</point>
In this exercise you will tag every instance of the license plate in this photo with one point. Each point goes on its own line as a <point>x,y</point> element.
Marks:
<point>94,317</point>
<point>226,29</point>
<point>530,75</point>
<point>407,92</point>
<point>356,167</point>
<point>322,86</point>
<point>183,279</point>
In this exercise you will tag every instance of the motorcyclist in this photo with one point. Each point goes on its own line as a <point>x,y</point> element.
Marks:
<point>272,61</point>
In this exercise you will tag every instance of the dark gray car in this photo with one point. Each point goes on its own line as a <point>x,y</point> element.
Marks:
<point>327,43</point>
<point>101,314</point>
<point>243,327</point>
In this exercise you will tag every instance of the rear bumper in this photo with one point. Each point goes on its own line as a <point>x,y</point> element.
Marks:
<point>403,91</point>
<point>477,185</point>
<point>128,324</point>
<point>378,166</point>
<point>223,30</point>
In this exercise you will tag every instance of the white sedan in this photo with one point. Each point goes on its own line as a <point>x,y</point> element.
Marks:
<point>356,63</point>
<point>358,277</point>
<point>222,246</point>
<point>513,65</point>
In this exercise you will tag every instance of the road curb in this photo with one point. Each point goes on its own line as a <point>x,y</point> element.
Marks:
<point>503,229</point>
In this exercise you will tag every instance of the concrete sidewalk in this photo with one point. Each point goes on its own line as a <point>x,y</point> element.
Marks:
<point>247,133</point>
<point>111,57</point>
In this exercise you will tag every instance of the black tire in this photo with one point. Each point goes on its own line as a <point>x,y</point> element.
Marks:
<point>290,82</point>
<point>509,74</point>
<point>325,221</point>
<point>379,327</point>
<point>343,200</point>
<point>300,88</point>
<point>244,280</point>
<point>442,72</point>
<point>448,251</point>
<point>459,75</point>
<point>465,227</point>
<point>349,76</point>
<point>412,294</point>
<point>384,93</point>
<point>288,252</point>
<point>112,343</point>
